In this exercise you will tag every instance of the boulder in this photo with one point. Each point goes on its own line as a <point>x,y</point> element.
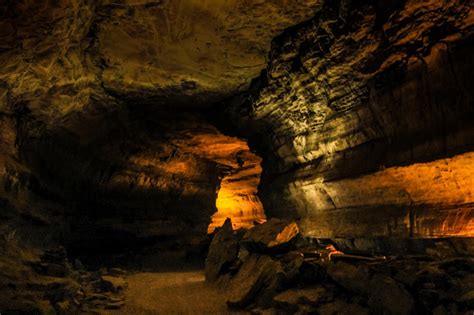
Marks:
<point>273,236</point>
<point>53,262</point>
<point>290,300</point>
<point>260,277</point>
<point>113,284</point>
<point>387,296</point>
<point>354,278</point>
<point>223,252</point>
<point>454,265</point>
<point>463,245</point>
<point>62,289</point>
<point>292,263</point>
<point>300,270</point>
<point>65,308</point>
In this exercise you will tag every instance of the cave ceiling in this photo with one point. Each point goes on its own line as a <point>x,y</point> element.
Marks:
<point>170,53</point>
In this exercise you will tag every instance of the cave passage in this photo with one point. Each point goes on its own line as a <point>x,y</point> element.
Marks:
<point>238,156</point>
<point>237,195</point>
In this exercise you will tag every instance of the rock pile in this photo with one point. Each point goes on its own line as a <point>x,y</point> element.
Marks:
<point>272,269</point>
<point>34,282</point>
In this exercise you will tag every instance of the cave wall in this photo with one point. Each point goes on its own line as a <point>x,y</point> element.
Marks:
<point>358,106</point>
<point>364,118</point>
<point>79,83</point>
<point>128,177</point>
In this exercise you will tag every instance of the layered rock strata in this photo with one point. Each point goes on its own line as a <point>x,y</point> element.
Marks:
<point>78,79</point>
<point>364,120</point>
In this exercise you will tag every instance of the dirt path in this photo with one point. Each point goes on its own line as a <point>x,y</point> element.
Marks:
<point>182,292</point>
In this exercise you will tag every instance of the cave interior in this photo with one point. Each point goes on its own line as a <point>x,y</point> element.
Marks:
<point>240,156</point>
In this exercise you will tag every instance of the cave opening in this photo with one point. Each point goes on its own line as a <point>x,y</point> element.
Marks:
<point>152,190</point>
<point>237,197</point>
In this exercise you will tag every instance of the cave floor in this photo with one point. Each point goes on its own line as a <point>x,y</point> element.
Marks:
<point>175,292</point>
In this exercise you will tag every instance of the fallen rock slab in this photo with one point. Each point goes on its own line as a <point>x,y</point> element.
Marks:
<point>351,277</point>
<point>273,236</point>
<point>387,296</point>
<point>223,251</point>
<point>259,278</point>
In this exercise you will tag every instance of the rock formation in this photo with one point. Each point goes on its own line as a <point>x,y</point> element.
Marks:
<point>316,278</point>
<point>363,118</point>
<point>137,127</point>
<point>88,127</point>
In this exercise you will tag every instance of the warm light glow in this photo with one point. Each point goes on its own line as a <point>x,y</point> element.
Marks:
<point>237,197</point>
<point>437,197</point>
<point>243,209</point>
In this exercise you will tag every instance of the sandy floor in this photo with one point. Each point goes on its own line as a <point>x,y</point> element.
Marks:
<point>180,292</point>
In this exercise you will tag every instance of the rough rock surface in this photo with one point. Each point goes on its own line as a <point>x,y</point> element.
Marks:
<point>351,99</point>
<point>259,278</point>
<point>363,118</point>
<point>223,252</point>
<point>271,236</point>
<point>34,281</point>
<point>83,86</point>
<point>93,154</point>
<point>153,172</point>
<point>189,51</point>
<point>164,52</point>
<point>298,281</point>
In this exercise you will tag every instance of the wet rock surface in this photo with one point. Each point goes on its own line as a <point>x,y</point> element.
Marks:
<point>315,277</point>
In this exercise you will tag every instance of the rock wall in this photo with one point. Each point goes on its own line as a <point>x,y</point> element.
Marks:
<point>88,94</point>
<point>239,172</point>
<point>356,97</point>
<point>133,178</point>
<point>364,118</point>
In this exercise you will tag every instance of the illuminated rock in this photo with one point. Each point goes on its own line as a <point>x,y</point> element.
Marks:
<point>69,72</point>
<point>272,236</point>
<point>364,121</point>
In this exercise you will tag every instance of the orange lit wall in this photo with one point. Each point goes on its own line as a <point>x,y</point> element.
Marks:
<point>192,172</point>
<point>431,199</point>
<point>237,195</point>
